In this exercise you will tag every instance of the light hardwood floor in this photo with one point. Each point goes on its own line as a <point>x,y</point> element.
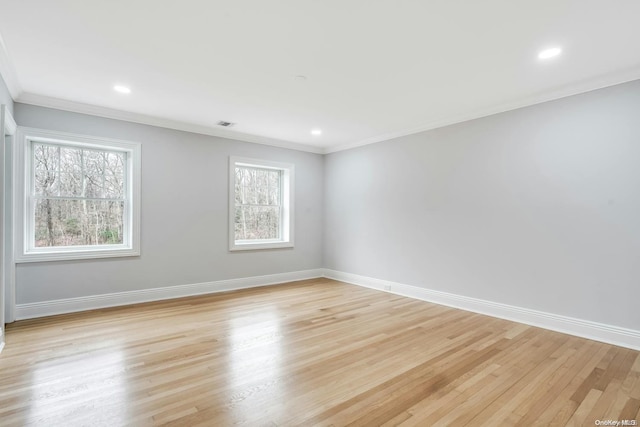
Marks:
<point>316,352</point>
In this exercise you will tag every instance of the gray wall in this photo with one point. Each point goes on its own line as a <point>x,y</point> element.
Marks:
<point>537,208</point>
<point>184,214</point>
<point>5,96</point>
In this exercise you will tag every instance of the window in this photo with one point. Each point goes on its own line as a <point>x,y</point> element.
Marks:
<point>81,197</point>
<point>260,204</point>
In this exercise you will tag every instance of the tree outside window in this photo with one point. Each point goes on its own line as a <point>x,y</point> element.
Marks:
<point>260,204</point>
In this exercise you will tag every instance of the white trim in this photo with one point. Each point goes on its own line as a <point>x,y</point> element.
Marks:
<point>7,71</point>
<point>599,82</point>
<point>8,128</point>
<point>25,253</point>
<point>80,252</point>
<point>582,328</point>
<point>562,92</point>
<point>287,193</point>
<point>92,302</point>
<point>9,124</point>
<point>10,283</point>
<point>109,113</point>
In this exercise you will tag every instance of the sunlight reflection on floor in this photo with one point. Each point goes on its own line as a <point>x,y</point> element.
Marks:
<point>91,386</point>
<point>255,360</point>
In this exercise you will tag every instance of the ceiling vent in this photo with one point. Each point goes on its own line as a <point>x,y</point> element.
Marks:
<point>225,124</point>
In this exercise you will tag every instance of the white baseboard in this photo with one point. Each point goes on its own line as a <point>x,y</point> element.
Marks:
<point>582,328</point>
<point>71,305</point>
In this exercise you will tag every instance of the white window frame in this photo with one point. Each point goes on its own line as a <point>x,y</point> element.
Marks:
<point>25,249</point>
<point>286,239</point>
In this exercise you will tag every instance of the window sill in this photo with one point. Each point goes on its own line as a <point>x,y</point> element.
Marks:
<point>252,246</point>
<point>75,254</point>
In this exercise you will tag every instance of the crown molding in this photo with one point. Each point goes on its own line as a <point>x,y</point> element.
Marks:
<point>7,71</point>
<point>589,85</point>
<point>110,113</point>
<point>600,82</point>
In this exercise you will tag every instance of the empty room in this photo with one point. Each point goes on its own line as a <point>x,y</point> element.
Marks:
<point>319,213</point>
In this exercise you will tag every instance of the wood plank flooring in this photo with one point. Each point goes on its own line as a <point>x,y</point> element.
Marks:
<point>317,352</point>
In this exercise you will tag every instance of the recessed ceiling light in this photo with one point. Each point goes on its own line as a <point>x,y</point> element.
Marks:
<point>549,53</point>
<point>316,132</point>
<point>122,89</point>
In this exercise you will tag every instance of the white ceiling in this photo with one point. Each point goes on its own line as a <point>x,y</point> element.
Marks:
<point>375,68</point>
